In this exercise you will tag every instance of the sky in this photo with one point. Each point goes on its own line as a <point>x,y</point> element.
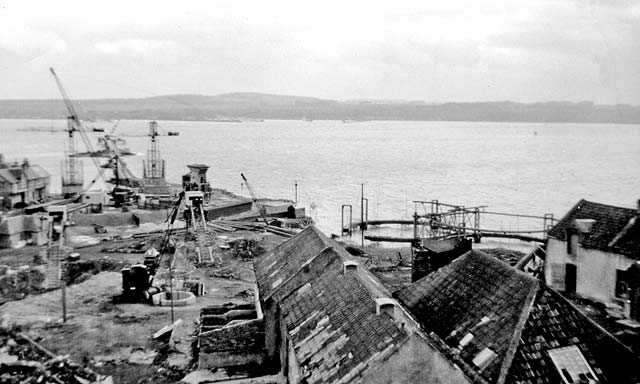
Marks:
<point>433,51</point>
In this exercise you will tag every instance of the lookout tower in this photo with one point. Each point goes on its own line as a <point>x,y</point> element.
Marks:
<point>196,179</point>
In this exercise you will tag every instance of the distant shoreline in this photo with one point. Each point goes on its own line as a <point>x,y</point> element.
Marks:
<point>255,106</point>
<point>337,121</point>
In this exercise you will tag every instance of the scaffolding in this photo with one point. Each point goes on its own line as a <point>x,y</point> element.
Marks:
<point>153,166</point>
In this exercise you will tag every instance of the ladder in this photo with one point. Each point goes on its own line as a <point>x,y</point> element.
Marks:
<point>53,269</point>
<point>201,235</point>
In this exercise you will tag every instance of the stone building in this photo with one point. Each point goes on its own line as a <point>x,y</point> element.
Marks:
<point>22,184</point>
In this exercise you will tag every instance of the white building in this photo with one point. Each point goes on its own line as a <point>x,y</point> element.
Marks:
<point>590,250</point>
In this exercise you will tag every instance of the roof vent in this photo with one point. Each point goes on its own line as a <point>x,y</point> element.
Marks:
<point>385,305</point>
<point>584,225</point>
<point>484,358</point>
<point>465,340</point>
<point>349,266</point>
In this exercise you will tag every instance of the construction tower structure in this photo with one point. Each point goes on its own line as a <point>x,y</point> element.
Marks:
<point>72,170</point>
<point>153,166</point>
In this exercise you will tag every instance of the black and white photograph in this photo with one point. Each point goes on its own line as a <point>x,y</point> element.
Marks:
<point>319,192</point>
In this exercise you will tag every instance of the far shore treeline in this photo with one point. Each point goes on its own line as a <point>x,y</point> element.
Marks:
<point>267,106</point>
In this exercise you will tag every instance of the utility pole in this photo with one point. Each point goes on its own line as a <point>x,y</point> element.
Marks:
<point>362,214</point>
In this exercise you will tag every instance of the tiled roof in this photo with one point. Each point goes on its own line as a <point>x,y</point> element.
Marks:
<point>286,259</point>
<point>609,222</point>
<point>333,326</point>
<point>330,316</point>
<point>554,323</point>
<point>514,315</point>
<point>474,294</point>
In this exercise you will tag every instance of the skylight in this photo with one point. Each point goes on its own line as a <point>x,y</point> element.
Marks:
<point>572,365</point>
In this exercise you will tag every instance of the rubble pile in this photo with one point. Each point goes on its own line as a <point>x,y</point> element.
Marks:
<point>16,283</point>
<point>24,361</point>
<point>130,247</point>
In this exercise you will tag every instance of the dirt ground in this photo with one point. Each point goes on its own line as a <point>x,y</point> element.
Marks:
<point>116,339</point>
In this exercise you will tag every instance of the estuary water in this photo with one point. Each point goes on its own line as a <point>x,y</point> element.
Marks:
<point>527,168</point>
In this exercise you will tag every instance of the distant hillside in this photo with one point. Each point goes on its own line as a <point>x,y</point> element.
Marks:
<point>266,106</point>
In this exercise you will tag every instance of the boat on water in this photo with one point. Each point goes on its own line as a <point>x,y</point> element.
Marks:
<point>95,129</point>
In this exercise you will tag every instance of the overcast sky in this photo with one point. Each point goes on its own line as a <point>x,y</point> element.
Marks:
<point>419,50</point>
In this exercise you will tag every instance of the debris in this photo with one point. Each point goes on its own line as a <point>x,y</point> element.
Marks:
<point>200,376</point>
<point>166,331</point>
<point>142,357</point>
<point>178,361</point>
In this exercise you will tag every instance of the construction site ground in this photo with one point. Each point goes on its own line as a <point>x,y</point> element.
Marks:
<point>116,339</point>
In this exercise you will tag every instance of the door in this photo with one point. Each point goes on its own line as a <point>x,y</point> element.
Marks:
<point>570,278</point>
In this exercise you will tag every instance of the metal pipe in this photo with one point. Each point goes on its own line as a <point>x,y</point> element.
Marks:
<point>516,215</point>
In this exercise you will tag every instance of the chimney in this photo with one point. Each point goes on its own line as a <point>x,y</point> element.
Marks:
<point>584,226</point>
<point>349,266</point>
<point>385,305</point>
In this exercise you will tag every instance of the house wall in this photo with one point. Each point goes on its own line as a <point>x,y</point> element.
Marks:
<point>595,270</point>
<point>414,362</point>
<point>9,241</point>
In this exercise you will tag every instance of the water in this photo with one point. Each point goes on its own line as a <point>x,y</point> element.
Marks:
<point>510,167</point>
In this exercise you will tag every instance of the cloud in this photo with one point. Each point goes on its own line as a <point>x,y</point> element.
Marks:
<point>131,46</point>
<point>529,50</point>
<point>21,40</point>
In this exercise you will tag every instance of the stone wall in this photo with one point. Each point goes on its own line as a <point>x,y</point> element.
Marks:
<point>238,344</point>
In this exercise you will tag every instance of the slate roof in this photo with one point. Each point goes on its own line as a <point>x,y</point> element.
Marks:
<point>34,172</point>
<point>6,175</point>
<point>610,221</point>
<point>330,316</point>
<point>13,175</point>
<point>334,328</point>
<point>284,261</point>
<point>516,316</point>
<point>553,323</point>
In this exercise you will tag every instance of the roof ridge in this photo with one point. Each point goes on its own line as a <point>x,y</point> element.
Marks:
<point>606,205</point>
<point>507,360</point>
<point>504,265</point>
<point>630,224</point>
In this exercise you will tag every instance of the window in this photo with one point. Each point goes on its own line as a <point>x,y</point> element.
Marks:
<point>622,285</point>
<point>572,242</point>
<point>558,271</point>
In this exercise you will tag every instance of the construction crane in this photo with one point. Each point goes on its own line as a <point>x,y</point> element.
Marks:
<point>110,151</point>
<point>259,206</point>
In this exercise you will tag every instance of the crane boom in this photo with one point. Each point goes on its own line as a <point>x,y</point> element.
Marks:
<point>78,124</point>
<point>261,208</point>
<point>254,197</point>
